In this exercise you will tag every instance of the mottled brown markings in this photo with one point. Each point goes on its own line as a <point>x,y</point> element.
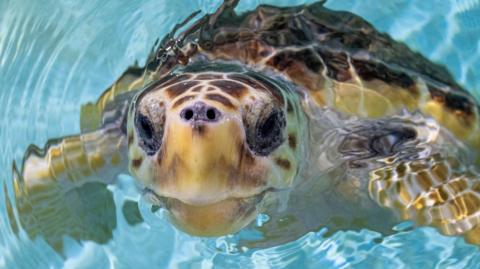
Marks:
<point>292,141</point>
<point>221,99</point>
<point>231,35</point>
<point>210,89</point>
<point>258,85</point>
<point>286,59</point>
<point>285,28</point>
<point>285,164</point>
<point>264,53</point>
<point>459,102</point>
<point>337,64</point>
<point>368,70</point>
<point>197,88</point>
<point>224,37</point>
<point>302,26</point>
<point>437,94</point>
<point>452,99</point>
<point>297,26</point>
<point>183,100</point>
<point>137,162</point>
<point>281,60</point>
<point>180,88</point>
<point>230,87</point>
<point>275,39</point>
<point>208,76</point>
<point>347,31</point>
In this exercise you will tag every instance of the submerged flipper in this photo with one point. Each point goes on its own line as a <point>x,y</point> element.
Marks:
<point>91,114</point>
<point>61,189</point>
<point>377,173</point>
<point>437,190</point>
<point>421,171</point>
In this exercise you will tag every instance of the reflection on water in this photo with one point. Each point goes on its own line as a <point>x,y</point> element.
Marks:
<point>57,55</point>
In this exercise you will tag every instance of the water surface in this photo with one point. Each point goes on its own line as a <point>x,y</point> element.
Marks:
<point>57,55</point>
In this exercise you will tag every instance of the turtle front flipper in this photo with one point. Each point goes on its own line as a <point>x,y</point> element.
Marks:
<point>133,79</point>
<point>61,190</point>
<point>437,191</point>
<point>375,173</point>
<point>419,170</point>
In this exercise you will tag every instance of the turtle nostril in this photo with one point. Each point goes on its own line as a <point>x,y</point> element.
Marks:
<point>211,115</point>
<point>188,114</point>
<point>200,112</point>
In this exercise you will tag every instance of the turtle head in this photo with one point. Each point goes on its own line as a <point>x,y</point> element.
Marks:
<point>211,144</point>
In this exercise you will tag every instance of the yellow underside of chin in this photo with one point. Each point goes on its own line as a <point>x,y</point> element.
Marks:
<point>217,219</point>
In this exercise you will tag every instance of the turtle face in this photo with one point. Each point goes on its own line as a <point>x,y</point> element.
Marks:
<point>210,145</point>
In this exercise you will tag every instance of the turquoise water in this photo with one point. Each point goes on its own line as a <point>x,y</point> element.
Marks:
<point>56,55</point>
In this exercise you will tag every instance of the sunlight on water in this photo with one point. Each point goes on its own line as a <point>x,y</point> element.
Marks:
<point>57,55</point>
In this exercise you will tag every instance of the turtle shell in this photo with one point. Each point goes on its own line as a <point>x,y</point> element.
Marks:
<point>337,58</point>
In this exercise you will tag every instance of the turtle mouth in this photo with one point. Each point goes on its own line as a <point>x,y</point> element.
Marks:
<point>161,200</point>
<point>215,219</point>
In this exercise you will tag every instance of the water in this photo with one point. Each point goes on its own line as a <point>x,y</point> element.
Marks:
<point>56,55</point>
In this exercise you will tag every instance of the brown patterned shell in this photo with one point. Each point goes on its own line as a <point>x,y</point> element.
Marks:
<point>337,57</point>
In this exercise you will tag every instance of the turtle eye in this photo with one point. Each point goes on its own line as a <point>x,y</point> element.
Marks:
<point>149,140</point>
<point>268,134</point>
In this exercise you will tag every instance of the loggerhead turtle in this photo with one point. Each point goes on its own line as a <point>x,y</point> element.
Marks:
<point>303,113</point>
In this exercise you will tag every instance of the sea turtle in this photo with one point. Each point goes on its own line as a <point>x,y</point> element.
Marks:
<point>308,115</point>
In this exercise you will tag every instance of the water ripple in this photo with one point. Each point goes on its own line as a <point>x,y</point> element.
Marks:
<point>56,55</point>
